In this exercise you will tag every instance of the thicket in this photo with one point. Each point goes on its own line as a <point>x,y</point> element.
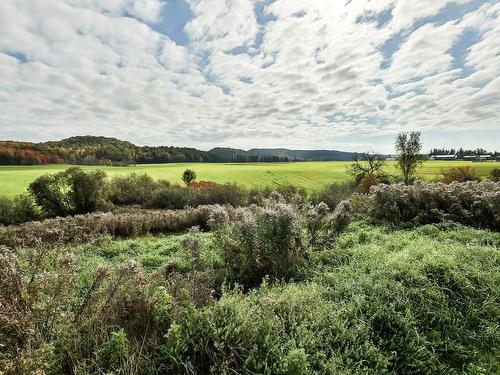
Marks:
<point>274,239</point>
<point>92,227</point>
<point>471,203</point>
<point>18,210</point>
<point>460,174</point>
<point>422,301</point>
<point>71,192</point>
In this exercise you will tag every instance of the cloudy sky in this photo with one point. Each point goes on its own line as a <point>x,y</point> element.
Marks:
<point>342,74</point>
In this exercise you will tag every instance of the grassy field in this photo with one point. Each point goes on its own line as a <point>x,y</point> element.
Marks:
<point>310,175</point>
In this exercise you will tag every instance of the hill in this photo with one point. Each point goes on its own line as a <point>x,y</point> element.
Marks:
<point>316,155</point>
<point>91,150</point>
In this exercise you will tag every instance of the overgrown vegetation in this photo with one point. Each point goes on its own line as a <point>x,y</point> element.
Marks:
<point>460,174</point>
<point>375,301</point>
<point>470,203</point>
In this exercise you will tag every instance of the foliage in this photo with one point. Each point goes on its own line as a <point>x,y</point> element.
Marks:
<point>378,302</point>
<point>18,210</point>
<point>408,146</point>
<point>290,193</point>
<point>367,182</point>
<point>260,242</point>
<point>167,196</point>
<point>73,191</point>
<point>333,193</point>
<point>93,227</point>
<point>52,193</point>
<point>460,174</point>
<point>88,190</point>
<point>269,240</point>
<point>131,189</point>
<point>188,176</point>
<point>89,150</point>
<point>471,203</point>
<point>495,175</point>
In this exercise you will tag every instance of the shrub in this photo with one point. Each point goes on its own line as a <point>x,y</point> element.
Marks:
<point>460,174</point>
<point>132,189</point>
<point>114,352</point>
<point>88,190</point>
<point>217,194</point>
<point>334,193</point>
<point>380,302</point>
<point>263,241</point>
<point>274,239</point>
<point>92,227</point>
<point>402,304</point>
<point>290,194</point>
<point>51,192</point>
<point>169,197</point>
<point>470,203</point>
<point>367,182</point>
<point>18,210</point>
<point>188,176</point>
<point>73,191</point>
<point>495,175</point>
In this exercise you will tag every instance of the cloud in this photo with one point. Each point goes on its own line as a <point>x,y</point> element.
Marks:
<point>253,73</point>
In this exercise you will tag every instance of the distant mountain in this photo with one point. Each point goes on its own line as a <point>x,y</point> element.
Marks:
<point>319,155</point>
<point>111,151</point>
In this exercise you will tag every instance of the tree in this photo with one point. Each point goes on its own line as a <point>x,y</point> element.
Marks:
<point>408,146</point>
<point>188,176</point>
<point>88,189</point>
<point>369,162</point>
<point>70,192</point>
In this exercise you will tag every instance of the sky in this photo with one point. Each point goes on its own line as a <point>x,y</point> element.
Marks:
<point>303,74</point>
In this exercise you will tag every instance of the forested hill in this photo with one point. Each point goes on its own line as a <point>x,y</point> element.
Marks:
<point>302,154</point>
<point>92,150</point>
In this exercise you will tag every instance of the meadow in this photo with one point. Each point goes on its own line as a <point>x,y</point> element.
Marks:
<point>311,176</point>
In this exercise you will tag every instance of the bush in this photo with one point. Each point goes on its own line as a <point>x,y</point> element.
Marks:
<point>73,191</point>
<point>92,227</point>
<point>132,189</point>
<point>169,197</point>
<point>379,302</point>
<point>334,193</point>
<point>367,182</point>
<point>290,194</point>
<point>89,190</point>
<point>460,174</point>
<point>402,304</point>
<point>217,194</point>
<point>51,192</point>
<point>271,240</point>
<point>495,175</point>
<point>18,210</point>
<point>471,203</point>
<point>262,241</point>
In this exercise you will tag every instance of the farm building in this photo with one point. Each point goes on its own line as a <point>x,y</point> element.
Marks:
<point>483,157</point>
<point>443,157</point>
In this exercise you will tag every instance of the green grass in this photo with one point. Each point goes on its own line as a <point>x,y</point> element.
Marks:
<point>309,175</point>
<point>380,302</point>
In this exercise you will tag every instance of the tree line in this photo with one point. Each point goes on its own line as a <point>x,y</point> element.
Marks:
<point>89,150</point>
<point>460,152</point>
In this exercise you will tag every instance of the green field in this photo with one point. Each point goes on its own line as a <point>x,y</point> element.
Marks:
<point>310,175</point>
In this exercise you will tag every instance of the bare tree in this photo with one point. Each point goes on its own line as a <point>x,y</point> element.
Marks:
<point>367,163</point>
<point>408,147</point>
